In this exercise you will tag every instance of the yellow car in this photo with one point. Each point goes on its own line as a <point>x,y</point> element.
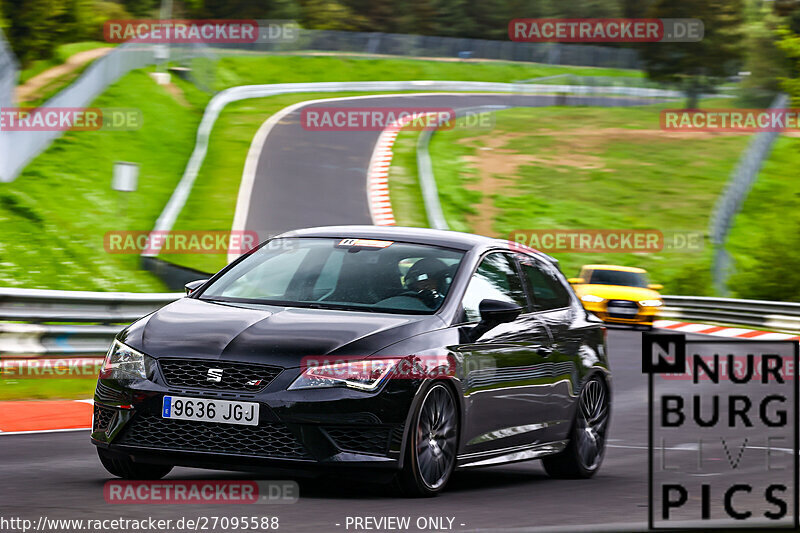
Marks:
<point>618,294</point>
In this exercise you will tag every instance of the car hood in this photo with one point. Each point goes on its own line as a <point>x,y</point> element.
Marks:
<point>617,292</point>
<point>282,336</point>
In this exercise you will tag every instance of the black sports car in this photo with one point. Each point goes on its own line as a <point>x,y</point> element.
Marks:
<point>408,351</point>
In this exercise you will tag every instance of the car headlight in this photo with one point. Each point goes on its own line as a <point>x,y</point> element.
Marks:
<point>591,298</point>
<point>366,375</point>
<point>123,362</point>
<point>651,303</point>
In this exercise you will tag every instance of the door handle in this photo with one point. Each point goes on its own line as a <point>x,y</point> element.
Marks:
<point>544,351</point>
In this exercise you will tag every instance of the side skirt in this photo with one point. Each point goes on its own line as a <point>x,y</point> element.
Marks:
<point>510,455</point>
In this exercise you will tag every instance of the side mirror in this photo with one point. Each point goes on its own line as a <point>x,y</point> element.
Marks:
<point>655,286</point>
<point>496,312</point>
<point>576,281</point>
<point>493,313</point>
<point>194,285</point>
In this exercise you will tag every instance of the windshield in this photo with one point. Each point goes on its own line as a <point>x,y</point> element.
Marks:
<point>618,277</point>
<point>353,274</point>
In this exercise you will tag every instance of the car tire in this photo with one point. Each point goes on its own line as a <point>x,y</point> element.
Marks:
<point>124,467</point>
<point>583,455</point>
<point>432,444</point>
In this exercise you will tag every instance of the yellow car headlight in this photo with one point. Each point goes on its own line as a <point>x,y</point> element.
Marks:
<point>591,298</point>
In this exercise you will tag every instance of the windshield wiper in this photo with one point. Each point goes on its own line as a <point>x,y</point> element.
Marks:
<point>338,307</point>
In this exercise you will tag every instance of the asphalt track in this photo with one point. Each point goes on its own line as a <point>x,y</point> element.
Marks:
<point>309,178</point>
<point>57,475</point>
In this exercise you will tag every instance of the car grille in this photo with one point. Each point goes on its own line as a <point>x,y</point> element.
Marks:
<point>271,439</point>
<point>359,439</point>
<point>102,417</point>
<point>235,376</point>
<point>623,304</point>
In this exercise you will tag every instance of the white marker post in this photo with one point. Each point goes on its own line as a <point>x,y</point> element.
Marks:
<point>125,179</point>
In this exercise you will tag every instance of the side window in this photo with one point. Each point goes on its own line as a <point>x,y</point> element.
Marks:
<point>544,285</point>
<point>495,279</point>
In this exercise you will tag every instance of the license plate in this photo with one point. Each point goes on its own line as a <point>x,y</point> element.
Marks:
<point>201,410</point>
<point>621,310</point>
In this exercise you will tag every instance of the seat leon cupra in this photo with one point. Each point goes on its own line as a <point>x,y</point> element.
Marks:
<point>407,352</point>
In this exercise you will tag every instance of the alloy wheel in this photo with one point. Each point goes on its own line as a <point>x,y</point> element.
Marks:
<point>436,437</point>
<point>592,424</point>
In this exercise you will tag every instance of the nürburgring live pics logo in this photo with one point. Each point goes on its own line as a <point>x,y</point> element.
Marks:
<point>722,432</point>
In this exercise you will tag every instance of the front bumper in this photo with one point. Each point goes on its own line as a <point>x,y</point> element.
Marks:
<point>644,316</point>
<point>302,428</point>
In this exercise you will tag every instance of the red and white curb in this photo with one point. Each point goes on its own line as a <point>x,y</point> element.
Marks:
<point>721,331</point>
<point>45,416</point>
<point>380,207</point>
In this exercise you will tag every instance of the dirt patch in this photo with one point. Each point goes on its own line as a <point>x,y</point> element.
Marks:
<point>29,90</point>
<point>177,94</point>
<point>497,167</point>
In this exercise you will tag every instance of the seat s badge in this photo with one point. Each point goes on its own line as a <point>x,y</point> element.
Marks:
<point>214,374</point>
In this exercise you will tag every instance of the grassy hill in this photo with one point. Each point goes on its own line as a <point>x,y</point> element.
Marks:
<point>577,168</point>
<point>54,216</point>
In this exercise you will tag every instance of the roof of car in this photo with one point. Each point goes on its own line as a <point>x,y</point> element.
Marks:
<point>616,267</point>
<point>453,239</point>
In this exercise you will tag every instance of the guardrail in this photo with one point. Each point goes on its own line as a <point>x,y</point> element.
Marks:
<point>761,314</point>
<point>732,198</point>
<point>98,316</point>
<point>69,322</point>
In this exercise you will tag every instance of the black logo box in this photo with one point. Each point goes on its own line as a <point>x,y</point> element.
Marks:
<point>673,345</point>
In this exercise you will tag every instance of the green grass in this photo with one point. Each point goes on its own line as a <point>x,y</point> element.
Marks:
<point>213,200</point>
<point>54,216</point>
<point>573,168</point>
<point>232,71</point>
<point>763,239</point>
<point>47,389</point>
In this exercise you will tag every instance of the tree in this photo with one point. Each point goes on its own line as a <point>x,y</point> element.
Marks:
<point>34,27</point>
<point>790,44</point>
<point>490,18</point>
<point>453,19</point>
<point>422,17</point>
<point>249,9</point>
<point>329,15</point>
<point>698,66</point>
<point>765,61</point>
